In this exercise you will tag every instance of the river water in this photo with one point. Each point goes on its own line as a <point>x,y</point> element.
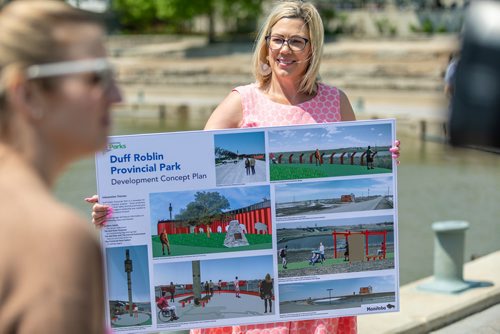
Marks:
<point>435,183</point>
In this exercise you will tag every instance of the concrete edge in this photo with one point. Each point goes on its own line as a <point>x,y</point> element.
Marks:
<point>423,311</point>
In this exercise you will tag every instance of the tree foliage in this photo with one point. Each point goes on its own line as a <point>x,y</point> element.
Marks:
<point>178,15</point>
<point>205,207</point>
<point>135,15</point>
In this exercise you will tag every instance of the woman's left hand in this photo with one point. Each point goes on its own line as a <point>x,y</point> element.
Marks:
<point>395,151</point>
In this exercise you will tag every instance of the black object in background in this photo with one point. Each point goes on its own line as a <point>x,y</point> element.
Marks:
<point>475,106</point>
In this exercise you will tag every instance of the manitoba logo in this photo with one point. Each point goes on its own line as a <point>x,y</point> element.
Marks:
<point>115,146</point>
<point>377,308</point>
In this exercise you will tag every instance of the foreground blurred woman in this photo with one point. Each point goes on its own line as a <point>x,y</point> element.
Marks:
<point>55,94</point>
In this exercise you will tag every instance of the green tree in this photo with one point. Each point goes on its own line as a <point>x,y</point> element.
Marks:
<point>178,15</point>
<point>135,15</point>
<point>206,207</point>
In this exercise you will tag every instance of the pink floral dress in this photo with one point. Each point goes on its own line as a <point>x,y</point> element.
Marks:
<point>258,110</point>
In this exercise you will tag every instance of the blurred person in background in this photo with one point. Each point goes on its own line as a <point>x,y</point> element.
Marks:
<point>56,90</point>
<point>449,75</point>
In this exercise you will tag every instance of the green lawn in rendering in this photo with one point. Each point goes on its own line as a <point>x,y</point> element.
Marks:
<point>327,262</point>
<point>308,171</point>
<point>188,244</point>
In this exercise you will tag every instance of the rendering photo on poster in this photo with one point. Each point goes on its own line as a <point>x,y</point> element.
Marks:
<point>211,221</point>
<point>333,151</point>
<point>215,289</point>
<point>334,196</point>
<point>322,247</point>
<point>128,286</point>
<point>240,158</point>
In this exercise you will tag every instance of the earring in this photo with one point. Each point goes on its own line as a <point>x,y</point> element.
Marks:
<point>265,69</point>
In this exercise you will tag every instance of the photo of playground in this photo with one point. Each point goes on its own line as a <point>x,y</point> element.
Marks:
<point>336,246</point>
<point>350,293</point>
<point>214,289</point>
<point>128,286</point>
<point>240,158</point>
<point>334,196</point>
<point>212,221</point>
<point>330,151</point>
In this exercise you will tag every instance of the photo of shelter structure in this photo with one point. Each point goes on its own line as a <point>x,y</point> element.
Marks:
<point>240,158</point>
<point>128,286</point>
<point>337,246</point>
<point>330,151</point>
<point>212,221</point>
<point>214,289</point>
<point>334,196</point>
<point>333,295</point>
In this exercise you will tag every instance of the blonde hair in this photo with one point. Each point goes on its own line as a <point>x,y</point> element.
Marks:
<point>29,35</point>
<point>309,14</point>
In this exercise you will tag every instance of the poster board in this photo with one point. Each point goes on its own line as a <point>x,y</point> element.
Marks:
<point>200,218</point>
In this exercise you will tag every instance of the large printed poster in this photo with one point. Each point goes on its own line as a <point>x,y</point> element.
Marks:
<point>242,226</point>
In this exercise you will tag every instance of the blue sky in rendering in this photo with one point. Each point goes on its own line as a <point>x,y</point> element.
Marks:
<point>241,143</point>
<point>330,137</point>
<point>246,268</point>
<point>332,189</point>
<point>117,277</point>
<point>340,287</point>
<point>238,197</point>
<point>338,222</point>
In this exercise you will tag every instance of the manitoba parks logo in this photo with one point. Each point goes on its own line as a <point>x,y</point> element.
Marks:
<point>115,146</point>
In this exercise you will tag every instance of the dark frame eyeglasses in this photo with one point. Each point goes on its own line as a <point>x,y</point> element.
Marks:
<point>294,43</point>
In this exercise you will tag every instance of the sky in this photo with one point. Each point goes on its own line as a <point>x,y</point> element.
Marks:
<point>241,143</point>
<point>117,277</point>
<point>246,268</point>
<point>330,137</point>
<point>332,189</point>
<point>339,222</point>
<point>238,197</point>
<point>340,287</point>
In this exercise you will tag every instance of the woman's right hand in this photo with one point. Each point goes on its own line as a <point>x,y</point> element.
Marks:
<point>100,213</point>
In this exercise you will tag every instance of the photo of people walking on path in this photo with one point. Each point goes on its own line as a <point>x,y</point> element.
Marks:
<point>128,286</point>
<point>338,294</point>
<point>240,158</point>
<point>210,221</point>
<point>239,287</point>
<point>333,197</point>
<point>330,151</point>
<point>322,247</point>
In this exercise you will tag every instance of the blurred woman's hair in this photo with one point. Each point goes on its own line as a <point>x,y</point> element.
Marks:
<point>30,34</point>
<point>309,14</point>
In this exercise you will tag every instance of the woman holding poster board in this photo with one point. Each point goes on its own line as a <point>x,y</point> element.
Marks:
<point>287,91</point>
<point>56,91</point>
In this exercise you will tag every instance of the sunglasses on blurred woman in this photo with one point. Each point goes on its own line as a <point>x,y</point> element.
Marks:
<point>101,69</point>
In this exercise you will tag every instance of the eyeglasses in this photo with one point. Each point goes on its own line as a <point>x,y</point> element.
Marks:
<point>101,68</point>
<point>294,43</point>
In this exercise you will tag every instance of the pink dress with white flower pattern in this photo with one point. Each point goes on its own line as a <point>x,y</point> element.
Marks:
<point>258,110</point>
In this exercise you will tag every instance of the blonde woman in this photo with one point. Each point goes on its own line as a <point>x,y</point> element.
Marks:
<point>55,95</point>
<point>287,91</point>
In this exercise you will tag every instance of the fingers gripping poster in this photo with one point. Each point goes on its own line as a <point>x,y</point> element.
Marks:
<point>243,226</point>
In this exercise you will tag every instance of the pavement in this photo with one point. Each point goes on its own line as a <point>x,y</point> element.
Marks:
<point>476,310</point>
<point>484,322</point>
